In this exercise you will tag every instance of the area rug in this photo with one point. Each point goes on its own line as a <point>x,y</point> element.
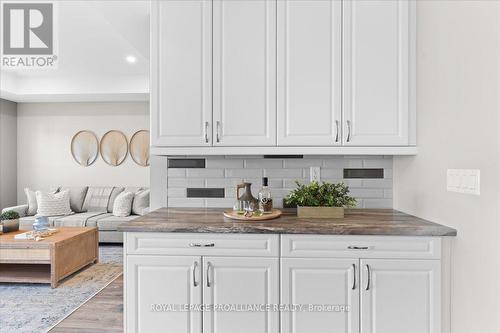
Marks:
<point>26,307</point>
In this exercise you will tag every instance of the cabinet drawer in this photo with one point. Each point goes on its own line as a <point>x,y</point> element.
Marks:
<point>360,246</point>
<point>202,244</point>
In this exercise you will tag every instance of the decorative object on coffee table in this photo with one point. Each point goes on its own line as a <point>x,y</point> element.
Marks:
<point>323,200</point>
<point>85,148</point>
<point>41,223</point>
<point>114,147</point>
<point>9,221</point>
<point>139,148</point>
<point>48,260</point>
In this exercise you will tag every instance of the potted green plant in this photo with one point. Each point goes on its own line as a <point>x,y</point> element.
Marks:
<point>9,221</point>
<point>323,200</point>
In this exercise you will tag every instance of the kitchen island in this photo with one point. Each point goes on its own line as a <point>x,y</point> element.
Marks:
<point>192,270</point>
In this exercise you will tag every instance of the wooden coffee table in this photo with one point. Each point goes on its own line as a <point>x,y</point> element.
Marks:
<point>49,260</point>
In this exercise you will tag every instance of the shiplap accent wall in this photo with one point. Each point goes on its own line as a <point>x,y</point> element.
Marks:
<point>227,171</point>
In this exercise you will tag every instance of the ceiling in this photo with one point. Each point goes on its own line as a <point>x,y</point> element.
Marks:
<point>94,40</point>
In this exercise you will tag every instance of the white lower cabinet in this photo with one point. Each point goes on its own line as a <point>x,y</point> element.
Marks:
<point>320,282</point>
<point>341,284</point>
<point>400,296</point>
<point>236,282</point>
<point>154,283</point>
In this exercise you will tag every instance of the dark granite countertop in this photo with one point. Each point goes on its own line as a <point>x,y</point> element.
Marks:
<point>356,222</point>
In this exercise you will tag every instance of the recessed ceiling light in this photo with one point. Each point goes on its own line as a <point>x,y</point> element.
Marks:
<point>131,59</point>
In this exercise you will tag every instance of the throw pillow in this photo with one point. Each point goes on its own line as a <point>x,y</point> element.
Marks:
<point>116,191</point>
<point>123,204</point>
<point>31,201</point>
<point>53,204</point>
<point>141,202</point>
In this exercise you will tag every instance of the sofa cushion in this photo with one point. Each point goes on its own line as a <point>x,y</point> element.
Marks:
<point>53,204</point>
<point>76,220</point>
<point>92,221</point>
<point>76,197</point>
<point>97,199</point>
<point>112,222</point>
<point>116,191</point>
<point>141,202</point>
<point>26,223</point>
<point>31,201</point>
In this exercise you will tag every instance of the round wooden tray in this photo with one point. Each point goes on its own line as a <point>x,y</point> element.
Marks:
<point>229,213</point>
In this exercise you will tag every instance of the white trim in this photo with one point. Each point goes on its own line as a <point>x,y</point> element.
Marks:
<point>404,150</point>
<point>92,97</point>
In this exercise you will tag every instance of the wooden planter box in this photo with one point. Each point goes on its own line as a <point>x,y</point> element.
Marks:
<point>321,212</point>
<point>9,226</point>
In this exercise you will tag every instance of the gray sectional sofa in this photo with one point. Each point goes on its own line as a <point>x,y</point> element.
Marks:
<point>92,207</point>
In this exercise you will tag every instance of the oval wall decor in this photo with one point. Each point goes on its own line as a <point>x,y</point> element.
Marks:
<point>114,147</point>
<point>139,147</point>
<point>85,148</point>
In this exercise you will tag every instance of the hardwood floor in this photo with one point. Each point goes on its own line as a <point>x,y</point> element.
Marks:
<point>102,314</point>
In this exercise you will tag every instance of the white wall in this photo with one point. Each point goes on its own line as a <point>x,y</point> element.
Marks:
<point>458,98</point>
<point>45,131</point>
<point>8,153</point>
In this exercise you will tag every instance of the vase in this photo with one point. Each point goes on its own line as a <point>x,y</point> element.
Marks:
<point>41,223</point>
<point>9,225</point>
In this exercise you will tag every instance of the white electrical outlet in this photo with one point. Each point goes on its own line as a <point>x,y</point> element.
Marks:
<point>315,174</point>
<point>463,181</point>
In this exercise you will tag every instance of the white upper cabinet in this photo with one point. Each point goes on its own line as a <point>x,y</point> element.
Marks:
<point>400,296</point>
<point>244,72</point>
<point>309,72</point>
<point>376,72</point>
<point>181,73</point>
<point>275,76</point>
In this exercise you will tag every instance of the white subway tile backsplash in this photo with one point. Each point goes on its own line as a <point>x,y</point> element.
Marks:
<point>331,173</point>
<point>244,173</point>
<point>264,163</point>
<point>377,203</point>
<point>221,163</point>
<point>284,173</point>
<point>174,192</point>
<point>186,182</point>
<point>205,173</point>
<point>228,171</point>
<point>176,172</point>
<point>378,163</point>
<point>186,202</point>
<point>367,193</point>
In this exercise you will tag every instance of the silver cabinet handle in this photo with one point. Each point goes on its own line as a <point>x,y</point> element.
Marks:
<point>354,276</point>
<point>358,247</point>
<point>348,130</point>
<point>337,130</point>
<point>208,274</point>
<point>206,131</point>
<point>201,245</point>
<point>368,283</point>
<point>218,131</point>
<point>195,266</point>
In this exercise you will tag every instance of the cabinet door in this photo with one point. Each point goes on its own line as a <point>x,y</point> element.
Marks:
<point>240,281</point>
<point>309,72</point>
<point>400,296</point>
<point>320,282</point>
<point>244,72</point>
<point>181,73</point>
<point>155,283</point>
<point>376,72</point>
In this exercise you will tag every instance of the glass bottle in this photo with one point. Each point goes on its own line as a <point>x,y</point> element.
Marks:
<point>265,199</point>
